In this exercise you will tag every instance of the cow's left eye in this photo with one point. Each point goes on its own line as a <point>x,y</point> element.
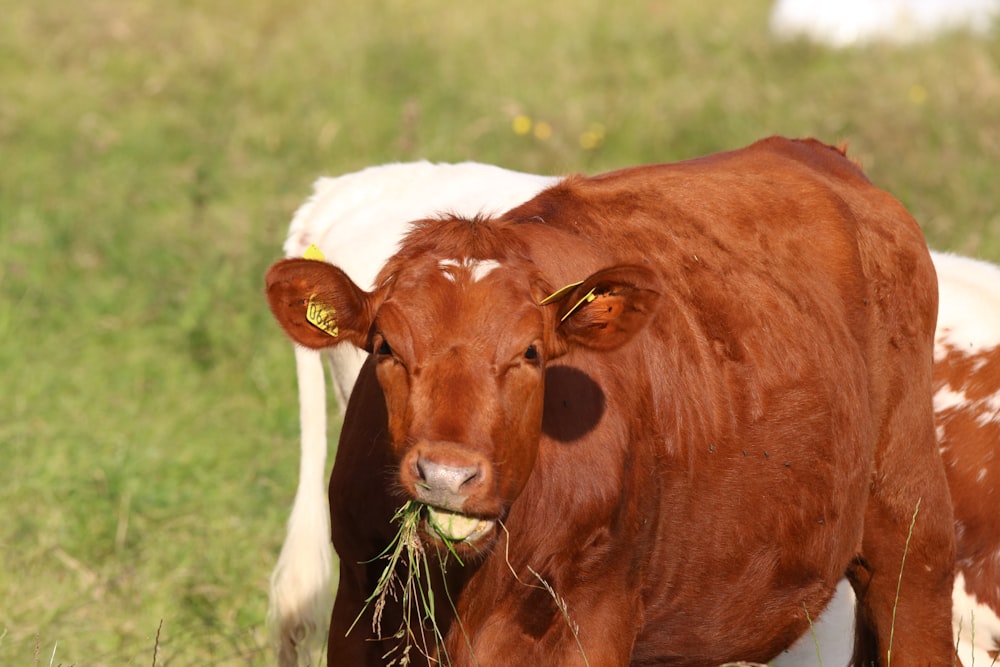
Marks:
<point>531,354</point>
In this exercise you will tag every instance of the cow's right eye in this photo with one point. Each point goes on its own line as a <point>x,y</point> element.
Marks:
<point>383,349</point>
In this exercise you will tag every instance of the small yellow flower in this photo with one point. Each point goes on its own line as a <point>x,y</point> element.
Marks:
<point>521,125</point>
<point>543,130</point>
<point>592,137</point>
<point>918,94</point>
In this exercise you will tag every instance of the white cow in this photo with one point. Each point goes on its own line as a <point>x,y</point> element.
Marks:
<point>841,23</point>
<point>356,220</point>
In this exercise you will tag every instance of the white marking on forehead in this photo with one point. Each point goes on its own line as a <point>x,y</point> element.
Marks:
<point>478,268</point>
<point>976,626</point>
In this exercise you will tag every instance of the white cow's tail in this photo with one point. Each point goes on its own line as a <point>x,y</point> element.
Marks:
<point>300,597</point>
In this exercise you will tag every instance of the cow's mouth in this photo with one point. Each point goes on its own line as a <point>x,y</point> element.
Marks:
<point>455,527</point>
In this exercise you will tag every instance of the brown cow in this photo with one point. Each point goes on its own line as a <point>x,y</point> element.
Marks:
<point>690,446</point>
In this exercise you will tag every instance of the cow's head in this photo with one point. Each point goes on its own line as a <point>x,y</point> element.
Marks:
<point>461,340</point>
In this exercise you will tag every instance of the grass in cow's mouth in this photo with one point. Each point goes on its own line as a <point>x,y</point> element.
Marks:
<point>413,590</point>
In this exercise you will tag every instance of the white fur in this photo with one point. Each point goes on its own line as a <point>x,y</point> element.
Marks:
<point>841,23</point>
<point>831,637</point>
<point>357,220</point>
<point>300,598</point>
<point>977,627</point>
<point>968,319</point>
<point>969,303</point>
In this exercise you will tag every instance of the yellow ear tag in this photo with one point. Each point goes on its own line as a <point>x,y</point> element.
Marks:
<point>312,252</point>
<point>588,297</point>
<point>322,316</point>
<point>560,293</point>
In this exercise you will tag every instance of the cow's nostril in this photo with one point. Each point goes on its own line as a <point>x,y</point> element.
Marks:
<point>472,476</point>
<point>439,476</point>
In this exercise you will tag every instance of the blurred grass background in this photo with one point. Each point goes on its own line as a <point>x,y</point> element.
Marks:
<point>152,155</point>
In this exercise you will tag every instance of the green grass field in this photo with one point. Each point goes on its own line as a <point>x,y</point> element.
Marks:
<point>152,155</point>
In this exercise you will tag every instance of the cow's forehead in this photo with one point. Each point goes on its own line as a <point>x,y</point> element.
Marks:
<point>453,297</point>
<point>439,276</point>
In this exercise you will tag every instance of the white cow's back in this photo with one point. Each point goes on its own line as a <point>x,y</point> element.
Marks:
<point>968,303</point>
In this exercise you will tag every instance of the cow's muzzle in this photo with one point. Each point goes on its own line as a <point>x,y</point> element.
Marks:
<point>449,477</point>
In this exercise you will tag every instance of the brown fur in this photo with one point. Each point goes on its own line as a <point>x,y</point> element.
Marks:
<point>691,459</point>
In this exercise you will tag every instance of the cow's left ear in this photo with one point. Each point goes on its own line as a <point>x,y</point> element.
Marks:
<point>607,309</point>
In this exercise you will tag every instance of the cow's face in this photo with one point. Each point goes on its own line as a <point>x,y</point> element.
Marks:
<point>461,346</point>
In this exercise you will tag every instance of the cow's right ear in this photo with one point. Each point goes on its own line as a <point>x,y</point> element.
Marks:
<point>317,304</point>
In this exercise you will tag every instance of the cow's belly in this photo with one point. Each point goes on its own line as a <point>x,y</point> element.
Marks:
<point>747,573</point>
<point>755,626</point>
